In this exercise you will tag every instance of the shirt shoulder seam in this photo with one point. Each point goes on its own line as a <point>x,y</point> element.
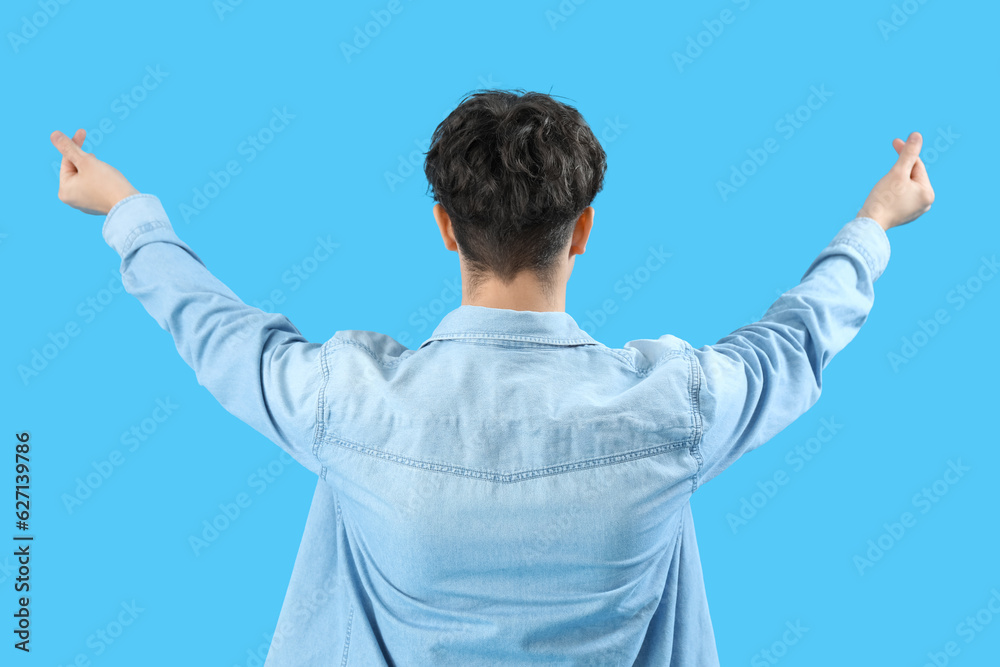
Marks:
<point>320,430</point>
<point>379,359</point>
<point>697,425</point>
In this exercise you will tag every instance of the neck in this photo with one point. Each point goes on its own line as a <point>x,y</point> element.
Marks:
<point>525,292</point>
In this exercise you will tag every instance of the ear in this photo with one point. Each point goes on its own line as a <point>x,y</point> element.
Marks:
<point>581,232</point>
<point>444,225</point>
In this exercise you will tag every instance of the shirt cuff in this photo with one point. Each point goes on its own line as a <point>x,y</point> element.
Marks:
<point>130,218</point>
<point>870,240</point>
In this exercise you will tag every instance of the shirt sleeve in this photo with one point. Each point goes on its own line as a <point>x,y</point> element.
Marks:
<point>763,376</point>
<point>256,364</point>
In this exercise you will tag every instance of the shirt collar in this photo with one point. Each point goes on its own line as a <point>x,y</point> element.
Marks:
<point>549,327</point>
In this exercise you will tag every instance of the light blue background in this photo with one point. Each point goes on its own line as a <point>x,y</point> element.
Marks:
<point>325,174</point>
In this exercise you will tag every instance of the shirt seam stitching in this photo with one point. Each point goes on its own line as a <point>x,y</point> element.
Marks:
<point>138,231</point>
<point>320,429</point>
<point>547,471</point>
<point>347,639</point>
<point>625,359</point>
<point>662,359</point>
<point>865,255</point>
<point>341,342</point>
<point>532,339</point>
<point>118,205</point>
<point>694,383</point>
<point>334,343</point>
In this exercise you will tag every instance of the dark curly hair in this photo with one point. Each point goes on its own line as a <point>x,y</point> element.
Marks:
<point>514,170</point>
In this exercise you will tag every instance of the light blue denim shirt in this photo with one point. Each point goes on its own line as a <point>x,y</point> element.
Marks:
<point>512,491</point>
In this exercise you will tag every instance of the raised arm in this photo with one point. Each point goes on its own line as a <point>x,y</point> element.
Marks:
<point>761,377</point>
<point>256,364</point>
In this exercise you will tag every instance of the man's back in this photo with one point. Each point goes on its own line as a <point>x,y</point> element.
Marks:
<point>512,488</point>
<point>514,492</point>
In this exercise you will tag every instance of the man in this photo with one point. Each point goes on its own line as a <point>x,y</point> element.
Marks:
<point>512,491</point>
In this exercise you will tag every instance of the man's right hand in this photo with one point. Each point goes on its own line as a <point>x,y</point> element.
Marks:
<point>905,193</point>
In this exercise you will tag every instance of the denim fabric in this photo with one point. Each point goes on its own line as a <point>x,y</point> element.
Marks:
<point>512,491</point>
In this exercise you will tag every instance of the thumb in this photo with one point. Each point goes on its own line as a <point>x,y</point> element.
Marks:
<point>919,173</point>
<point>909,153</point>
<point>67,147</point>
